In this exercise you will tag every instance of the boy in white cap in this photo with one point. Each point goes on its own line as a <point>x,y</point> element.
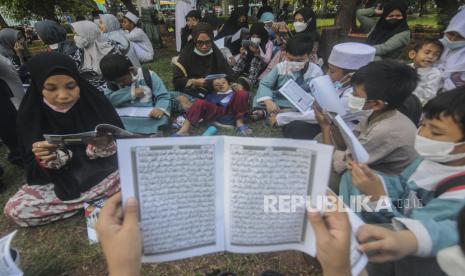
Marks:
<point>345,59</point>
<point>140,40</point>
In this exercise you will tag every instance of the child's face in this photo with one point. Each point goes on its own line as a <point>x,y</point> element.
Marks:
<point>335,73</point>
<point>302,58</point>
<point>125,80</point>
<point>454,36</point>
<point>191,22</point>
<point>221,85</point>
<point>444,129</point>
<point>426,56</point>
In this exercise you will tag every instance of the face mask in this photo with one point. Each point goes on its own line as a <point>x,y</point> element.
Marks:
<point>356,103</point>
<point>256,40</point>
<point>452,44</point>
<point>81,42</point>
<point>203,54</point>
<point>57,109</point>
<point>300,26</point>
<point>294,66</point>
<point>437,151</point>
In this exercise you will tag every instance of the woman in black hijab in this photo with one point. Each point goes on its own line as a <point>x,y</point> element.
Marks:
<point>305,24</point>
<point>192,18</point>
<point>54,35</point>
<point>197,60</point>
<point>237,21</point>
<point>61,178</point>
<point>391,34</point>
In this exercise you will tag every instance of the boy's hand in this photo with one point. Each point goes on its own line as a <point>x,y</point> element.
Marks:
<point>333,234</point>
<point>44,151</point>
<point>243,52</point>
<point>156,113</point>
<point>383,245</point>
<point>139,92</point>
<point>366,181</point>
<point>120,236</point>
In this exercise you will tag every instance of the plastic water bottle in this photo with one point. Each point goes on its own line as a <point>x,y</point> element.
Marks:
<point>211,130</point>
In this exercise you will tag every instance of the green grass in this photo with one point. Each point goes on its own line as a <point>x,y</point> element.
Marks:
<point>62,248</point>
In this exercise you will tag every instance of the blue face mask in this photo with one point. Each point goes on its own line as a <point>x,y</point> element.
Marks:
<point>452,44</point>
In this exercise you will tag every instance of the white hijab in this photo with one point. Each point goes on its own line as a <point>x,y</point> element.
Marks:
<point>114,32</point>
<point>97,45</point>
<point>454,60</point>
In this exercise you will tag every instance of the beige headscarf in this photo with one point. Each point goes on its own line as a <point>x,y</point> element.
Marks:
<point>94,44</point>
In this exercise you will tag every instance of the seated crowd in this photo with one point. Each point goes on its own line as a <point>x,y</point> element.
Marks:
<point>409,114</point>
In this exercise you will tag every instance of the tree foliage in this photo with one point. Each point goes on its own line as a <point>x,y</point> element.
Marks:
<point>49,9</point>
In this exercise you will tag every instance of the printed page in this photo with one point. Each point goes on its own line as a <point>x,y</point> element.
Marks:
<point>325,95</point>
<point>359,153</point>
<point>259,173</point>
<point>134,111</point>
<point>178,183</point>
<point>299,98</point>
<point>8,265</point>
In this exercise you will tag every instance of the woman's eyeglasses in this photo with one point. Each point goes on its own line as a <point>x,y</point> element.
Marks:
<point>200,43</point>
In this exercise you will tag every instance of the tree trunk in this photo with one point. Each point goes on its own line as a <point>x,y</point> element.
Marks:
<point>346,15</point>
<point>130,6</point>
<point>3,23</point>
<point>447,9</point>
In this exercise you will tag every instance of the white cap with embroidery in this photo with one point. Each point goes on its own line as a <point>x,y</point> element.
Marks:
<point>351,55</point>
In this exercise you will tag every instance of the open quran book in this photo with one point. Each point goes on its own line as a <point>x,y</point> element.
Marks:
<point>200,195</point>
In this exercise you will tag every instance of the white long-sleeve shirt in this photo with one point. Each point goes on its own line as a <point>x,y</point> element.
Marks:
<point>430,83</point>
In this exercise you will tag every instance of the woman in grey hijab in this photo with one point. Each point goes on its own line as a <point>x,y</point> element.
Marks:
<point>13,46</point>
<point>111,28</point>
<point>54,35</point>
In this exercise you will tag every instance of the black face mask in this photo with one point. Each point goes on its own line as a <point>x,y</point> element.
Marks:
<point>393,22</point>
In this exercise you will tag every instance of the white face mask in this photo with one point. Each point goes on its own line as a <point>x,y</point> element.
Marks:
<point>452,44</point>
<point>437,151</point>
<point>294,66</point>
<point>203,54</point>
<point>356,103</point>
<point>300,26</point>
<point>256,40</point>
<point>81,42</point>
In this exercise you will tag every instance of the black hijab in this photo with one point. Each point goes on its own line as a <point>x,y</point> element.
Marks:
<point>232,25</point>
<point>259,29</point>
<point>384,30</point>
<point>201,66</point>
<point>50,32</point>
<point>35,119</point>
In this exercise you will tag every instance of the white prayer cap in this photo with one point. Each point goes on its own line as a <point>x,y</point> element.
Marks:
<point>351,55</point>
<point>132,17</point>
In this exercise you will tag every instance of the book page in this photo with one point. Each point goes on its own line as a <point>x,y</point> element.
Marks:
<point>178,183</point>
<point>359,153</point>
<point>134,111</point>
<point>260,168</point>
<point>8,265</point>
<point>299,98</point>
<point>325,95</point>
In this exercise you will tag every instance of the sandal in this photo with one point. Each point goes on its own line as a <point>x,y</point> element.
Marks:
<point>258,115</point>
<point>244,131</point>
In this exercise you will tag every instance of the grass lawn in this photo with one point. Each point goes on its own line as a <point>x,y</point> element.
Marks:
<point>62,248</point>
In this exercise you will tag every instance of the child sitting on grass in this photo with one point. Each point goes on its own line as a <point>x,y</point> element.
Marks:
<point>226,106</point>
<point>425,199</point>
<point>269,101</point>
<point>132,87</point>
<point>424,54</point>
<point>379,88</point>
